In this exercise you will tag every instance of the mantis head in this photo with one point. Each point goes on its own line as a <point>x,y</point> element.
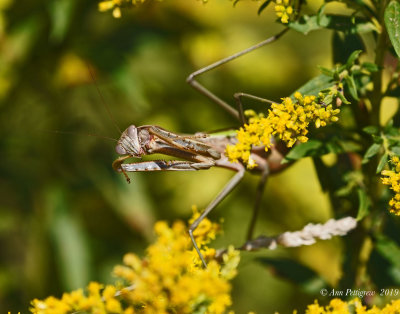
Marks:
<point>132,141</point>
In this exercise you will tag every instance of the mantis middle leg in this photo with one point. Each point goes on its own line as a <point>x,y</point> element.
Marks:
<point>225,191</point>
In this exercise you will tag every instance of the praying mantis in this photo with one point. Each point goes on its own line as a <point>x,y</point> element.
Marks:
<point>200,151</point>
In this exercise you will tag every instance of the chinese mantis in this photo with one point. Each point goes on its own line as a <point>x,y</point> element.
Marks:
<point>200,151</point>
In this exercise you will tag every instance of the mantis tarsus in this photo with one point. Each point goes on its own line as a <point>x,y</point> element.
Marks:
<point>199,151</point>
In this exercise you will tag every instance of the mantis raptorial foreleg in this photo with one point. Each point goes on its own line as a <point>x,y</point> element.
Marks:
<point>117,166</point>
<point>185,143</point>
<point>163,165</point>
<point>149,139</point>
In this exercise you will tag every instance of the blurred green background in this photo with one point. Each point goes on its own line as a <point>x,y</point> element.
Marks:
<point>65,216</point>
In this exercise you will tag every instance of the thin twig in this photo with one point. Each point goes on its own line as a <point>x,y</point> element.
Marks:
<point>306,236</point>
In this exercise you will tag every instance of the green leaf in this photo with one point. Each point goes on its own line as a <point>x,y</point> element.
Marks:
<point>343,99</point>
<point>338,145</point>
<point>303,150</point>
<point>395,150</point>
<point>352,181</point>
<point>353,57</point>
<point>364,203</point>
<point>308,280</point>
<point>350,146</point>
<point>316,84</point>
<point>320,14</point>
<point>382,163</point>
<point>371,129</point>
<point>351,84</point>
<point>326,71</point>
<point>349,24</point>
<point>377,139</point>
<point>371,67</point>
<point>392,23</point>
<point>263,6</point>
<point>392,141</point>
<point>389,126</point>
<point>71,251</point>
<point>371,152</point>
<point>389,249</point>
<point>305,24</point>
<point>366,27</point>
<point>60,14</point>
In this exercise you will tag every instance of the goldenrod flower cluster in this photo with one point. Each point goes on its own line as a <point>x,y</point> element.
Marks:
<point>289,121</point>
<point>337,306</point>
<point>170,279</point>
<point>99,299</point>
<point>392,178</point>
<point>116,5</point>
<point>284,10</point>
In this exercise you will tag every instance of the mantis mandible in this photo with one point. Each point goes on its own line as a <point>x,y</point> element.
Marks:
<point>200,151</point>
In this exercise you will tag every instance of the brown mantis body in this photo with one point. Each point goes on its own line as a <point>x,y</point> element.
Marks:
<point>199,151</point>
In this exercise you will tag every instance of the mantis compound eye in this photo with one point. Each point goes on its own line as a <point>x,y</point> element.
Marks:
<point>120,150</point>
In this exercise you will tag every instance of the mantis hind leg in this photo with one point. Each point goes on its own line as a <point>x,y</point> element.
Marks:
<point>191,79</point>
<point>239,96</point>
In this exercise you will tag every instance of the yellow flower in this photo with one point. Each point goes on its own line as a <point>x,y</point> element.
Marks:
<point>288,121</point>
<point>94,288</point>
<point>392,178</point>
<point>169,279</point>
<point>337,306</point>
<point>284,10</point>
<point>106,5</point>
<point>116,5</point>
<point>117,13</point>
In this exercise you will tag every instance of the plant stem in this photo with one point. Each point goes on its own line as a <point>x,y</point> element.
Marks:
<point>377,94</point>
<point>371,180</point>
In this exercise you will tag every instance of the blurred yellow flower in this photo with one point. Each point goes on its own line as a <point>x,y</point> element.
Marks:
<point>171,278</point>
<point>337,306</point>
<point>283,8</point>
<point>116,5</point>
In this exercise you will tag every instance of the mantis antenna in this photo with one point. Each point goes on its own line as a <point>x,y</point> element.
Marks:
<point>86,134</point>
<point>102,100</point>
